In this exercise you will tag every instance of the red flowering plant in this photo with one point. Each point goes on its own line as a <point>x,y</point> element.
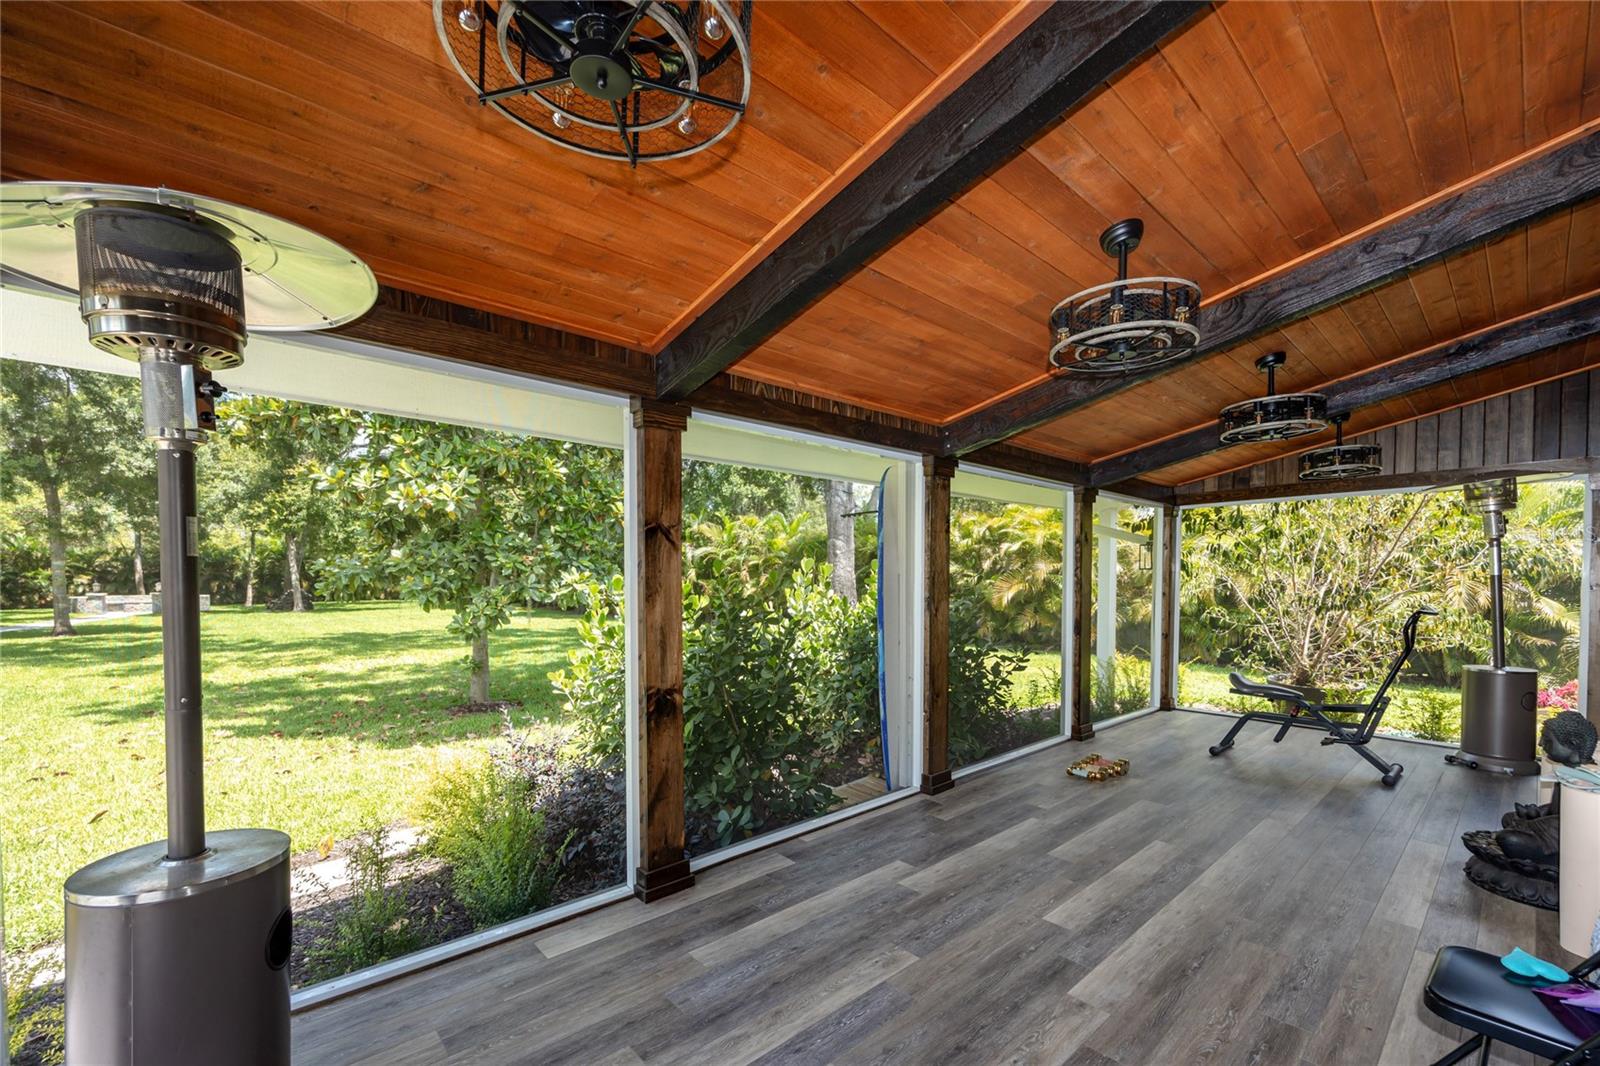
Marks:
<point>1558,698</point>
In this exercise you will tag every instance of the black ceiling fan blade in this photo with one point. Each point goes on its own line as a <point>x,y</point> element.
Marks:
<point>622,131</point>
<point>627,29</point>
<point>545,28</point>
<point>526,87</point>
<point>692,94</point>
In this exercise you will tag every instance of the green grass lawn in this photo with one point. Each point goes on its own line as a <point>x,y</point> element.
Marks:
<point>16,616</point>
<point>315,723</point>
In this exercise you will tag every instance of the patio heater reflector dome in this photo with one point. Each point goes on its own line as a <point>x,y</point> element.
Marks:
<point>1274,416</point>
<point>1128,324</point>
<point>1339,461</point>
<point>177,951</point>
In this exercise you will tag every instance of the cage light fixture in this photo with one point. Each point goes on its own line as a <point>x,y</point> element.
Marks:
<point>1339,461</point>
<point>1128,324</point>
<point>1274,416</point>
<point>634,80</point>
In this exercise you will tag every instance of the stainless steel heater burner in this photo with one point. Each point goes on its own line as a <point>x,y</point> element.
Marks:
<point>177,951</point>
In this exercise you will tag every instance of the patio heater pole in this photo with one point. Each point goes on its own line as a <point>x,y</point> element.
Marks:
<point>180,593</point>
<point>1494,527</point>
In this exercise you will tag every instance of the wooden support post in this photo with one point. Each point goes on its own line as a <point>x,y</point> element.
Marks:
<point>658,440</point>
<point>1590,664</point>
<point>1167,683</point>
<point>936,475</point>
<point>1082,614</point>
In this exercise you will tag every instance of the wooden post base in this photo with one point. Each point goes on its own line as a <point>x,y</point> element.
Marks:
<point>933,784</point>
<point>663,881</point>
<point>1082,731</point>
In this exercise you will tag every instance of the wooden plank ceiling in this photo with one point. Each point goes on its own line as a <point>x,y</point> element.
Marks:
<point>1257,134</point>
<point>349,117</point>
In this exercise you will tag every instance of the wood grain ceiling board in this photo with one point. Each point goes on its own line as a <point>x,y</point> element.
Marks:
<point>1548,366</point>
<point>1426,308</point>
<point>349,118</point>
<point>1258,133</point>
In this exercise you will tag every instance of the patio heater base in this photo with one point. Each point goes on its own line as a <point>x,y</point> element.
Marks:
<point>1499,720</point>
<point>173,963</point>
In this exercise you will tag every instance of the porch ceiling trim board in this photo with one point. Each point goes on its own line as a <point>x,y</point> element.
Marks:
<point>1559,324</point>
<point>446,330</point>
<point>1459,218</point>
<point>1060,58</point>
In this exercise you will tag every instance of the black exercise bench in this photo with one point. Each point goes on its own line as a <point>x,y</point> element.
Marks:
<point>1305,712</point>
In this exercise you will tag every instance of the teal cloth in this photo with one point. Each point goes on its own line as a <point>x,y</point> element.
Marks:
<point>1522,964</point>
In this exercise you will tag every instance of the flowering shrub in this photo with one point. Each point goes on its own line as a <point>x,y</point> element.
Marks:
<point>1559,698</point>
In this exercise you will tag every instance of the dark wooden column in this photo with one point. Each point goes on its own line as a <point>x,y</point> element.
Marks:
<point>1082,613</point>
<point>658,449</point>
<point>1167,683</point>
<point>1591,642</point>
<point>936,475</point>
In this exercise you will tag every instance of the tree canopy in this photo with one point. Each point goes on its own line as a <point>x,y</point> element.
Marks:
<point>470,521</point>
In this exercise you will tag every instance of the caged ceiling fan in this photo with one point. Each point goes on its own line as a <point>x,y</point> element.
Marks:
<point>618,79</point>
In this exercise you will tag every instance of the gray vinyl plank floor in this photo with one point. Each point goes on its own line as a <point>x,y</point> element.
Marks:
<point>1273,905</point>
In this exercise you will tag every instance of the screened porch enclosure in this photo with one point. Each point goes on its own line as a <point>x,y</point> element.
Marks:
<point>799,531</point>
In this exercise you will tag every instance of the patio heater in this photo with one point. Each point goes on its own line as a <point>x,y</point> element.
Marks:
<point>1499,703</point>
<point>177,951</point>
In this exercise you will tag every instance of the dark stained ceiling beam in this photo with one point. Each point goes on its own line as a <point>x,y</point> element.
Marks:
<point>1060,58</point>
<point>1418,479</point>
<point>1513,197</point>
<point>1504,343</point>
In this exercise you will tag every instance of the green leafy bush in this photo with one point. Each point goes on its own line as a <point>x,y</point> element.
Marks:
<point>981,671</point>
<point>482,823</point>
<point>752,760</point>
<point>1345,573</point>
<point>1120,686</point>
<point>376,924</point>
<point>1013,553</point>
<point>1425,714</point>
<point>594,688</point>
<point>780,678</point>
<point>838,647</point>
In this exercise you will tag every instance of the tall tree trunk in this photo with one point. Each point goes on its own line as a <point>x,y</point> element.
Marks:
<point>138,564</point>
<point>291,567</point>
<point>250,571</point>
<point>60,600</point>
<point>478,690</point>
<point>840,499</point>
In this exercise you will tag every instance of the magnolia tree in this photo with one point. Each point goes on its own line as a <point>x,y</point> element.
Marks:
<point>469,521</point>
